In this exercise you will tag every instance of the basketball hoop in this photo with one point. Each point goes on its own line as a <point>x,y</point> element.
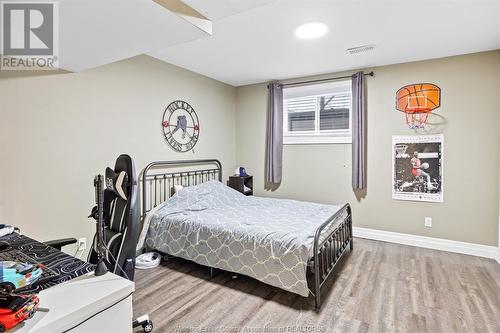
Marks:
<point>417,118</point>
<point>401,150</point>
<point>417,101</point>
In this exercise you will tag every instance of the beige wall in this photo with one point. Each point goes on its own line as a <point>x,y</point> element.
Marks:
<point>52,128</point>
<point>58,131</point>
<point>470,88</point>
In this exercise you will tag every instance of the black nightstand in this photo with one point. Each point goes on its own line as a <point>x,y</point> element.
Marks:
<point>239,183</point>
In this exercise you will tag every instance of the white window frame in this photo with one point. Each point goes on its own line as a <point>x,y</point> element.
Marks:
<point>317,136</point>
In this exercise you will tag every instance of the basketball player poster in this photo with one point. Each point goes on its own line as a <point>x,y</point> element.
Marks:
<point>417,168</point>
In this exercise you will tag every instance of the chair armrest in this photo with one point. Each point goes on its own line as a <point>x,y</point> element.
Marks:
<point>59,243</point>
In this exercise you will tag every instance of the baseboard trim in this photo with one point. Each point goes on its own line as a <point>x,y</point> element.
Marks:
<point>479,250</point>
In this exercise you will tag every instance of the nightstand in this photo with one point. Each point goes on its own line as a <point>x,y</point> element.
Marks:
<point>239,183</point>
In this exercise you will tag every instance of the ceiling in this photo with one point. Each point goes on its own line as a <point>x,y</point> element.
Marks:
<point>97,32</point>
<point>218,9</point>
<point>253,40</point>
<point>259,44</point>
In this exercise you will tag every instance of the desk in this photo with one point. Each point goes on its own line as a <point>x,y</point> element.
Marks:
<point>78,301</point>
<point>85,304</point>
<point>66,266</point>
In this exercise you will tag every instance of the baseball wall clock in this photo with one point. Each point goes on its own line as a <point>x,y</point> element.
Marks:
<point>181,127</point>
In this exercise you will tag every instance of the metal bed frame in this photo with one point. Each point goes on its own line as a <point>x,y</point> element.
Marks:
<point>330,244</point>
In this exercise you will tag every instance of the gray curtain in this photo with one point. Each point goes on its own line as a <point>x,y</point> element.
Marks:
<point>274,151</point>
<point>358,132</point>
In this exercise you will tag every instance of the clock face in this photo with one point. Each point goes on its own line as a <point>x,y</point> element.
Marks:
<point>180,126</point>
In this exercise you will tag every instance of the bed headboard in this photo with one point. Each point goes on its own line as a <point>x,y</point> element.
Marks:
<point>159,178</point>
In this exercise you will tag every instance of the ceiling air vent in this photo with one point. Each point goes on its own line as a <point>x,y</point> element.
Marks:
<point>362,48</point>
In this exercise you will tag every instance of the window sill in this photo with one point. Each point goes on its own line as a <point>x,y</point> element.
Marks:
<point>315,139</point>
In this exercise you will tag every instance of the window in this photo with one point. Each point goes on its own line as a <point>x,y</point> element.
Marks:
<point>319,113</point>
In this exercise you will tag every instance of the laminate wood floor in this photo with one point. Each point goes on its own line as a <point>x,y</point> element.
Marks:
<point>379,287</point>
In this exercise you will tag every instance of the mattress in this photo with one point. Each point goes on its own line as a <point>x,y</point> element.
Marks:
<point>211,224</point>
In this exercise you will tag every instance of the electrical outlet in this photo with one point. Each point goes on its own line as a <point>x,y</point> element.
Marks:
<point>82,244</point>
<point>428,222</point>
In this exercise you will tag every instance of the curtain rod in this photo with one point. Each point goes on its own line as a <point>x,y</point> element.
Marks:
<point>323,80</point>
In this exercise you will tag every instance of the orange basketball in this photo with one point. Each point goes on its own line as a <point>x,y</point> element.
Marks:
<point>418,97</point>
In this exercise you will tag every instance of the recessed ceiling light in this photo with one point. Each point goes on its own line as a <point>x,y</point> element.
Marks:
<point>311,30</point>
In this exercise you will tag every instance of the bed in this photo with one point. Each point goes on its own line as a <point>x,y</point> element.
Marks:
<point>289,244</point>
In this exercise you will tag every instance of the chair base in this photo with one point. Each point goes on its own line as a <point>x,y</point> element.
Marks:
<point>145,322</point>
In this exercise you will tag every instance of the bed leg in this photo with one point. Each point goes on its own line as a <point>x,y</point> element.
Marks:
<point>317,300</point>
<point>350,228</point>
<point>317,285</point>
<point>212,273</point>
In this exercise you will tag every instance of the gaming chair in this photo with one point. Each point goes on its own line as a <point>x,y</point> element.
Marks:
<point>121,224</point>
<point>121,219</point>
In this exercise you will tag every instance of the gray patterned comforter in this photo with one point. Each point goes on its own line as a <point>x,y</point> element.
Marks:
<point>213,225</point>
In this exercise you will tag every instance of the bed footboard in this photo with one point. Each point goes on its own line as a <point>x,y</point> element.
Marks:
<point>330,246</point>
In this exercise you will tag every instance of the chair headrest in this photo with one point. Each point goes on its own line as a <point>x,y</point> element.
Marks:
<point>117,182</point>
